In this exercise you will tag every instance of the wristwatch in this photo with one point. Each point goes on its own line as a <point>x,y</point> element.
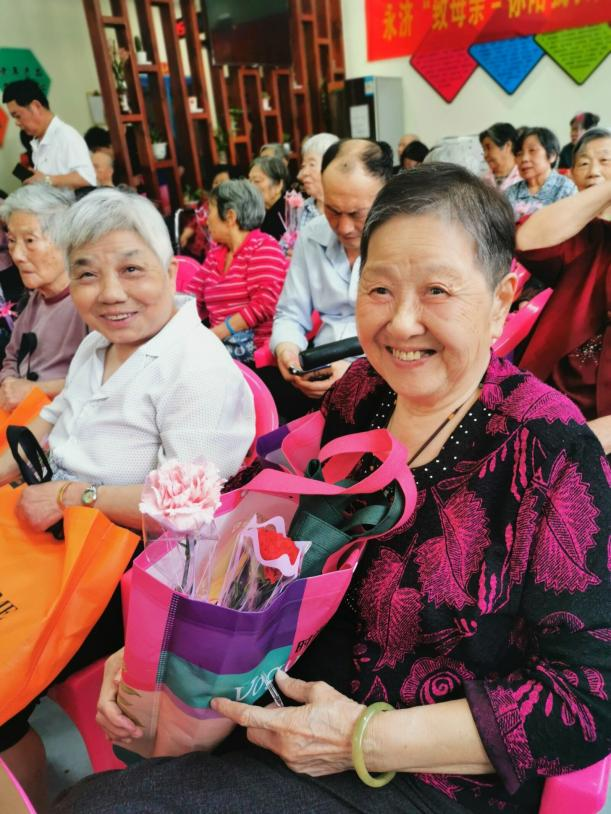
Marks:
<point>48,180</point>
<point>89,496</point>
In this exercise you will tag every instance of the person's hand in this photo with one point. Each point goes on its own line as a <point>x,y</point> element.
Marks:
<point>37,178</point>
<point>13,391</point>
<point>186,235</point>
<point>110,716</point>
<point>316,389</point>
<point>38,503</point>
<point>287,356</point>
<point>221,331</point>
<point>314,738</point>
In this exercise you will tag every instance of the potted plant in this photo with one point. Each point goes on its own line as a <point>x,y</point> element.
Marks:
<point>220,139</point>
<point>235,116</point>
<point>160,147</point>
<point>142,57</point>
<point>117,61</point>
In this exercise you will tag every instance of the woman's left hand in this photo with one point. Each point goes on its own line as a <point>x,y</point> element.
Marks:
<point>314,738</point>
<point>13,392</point>
<point>38,504</point>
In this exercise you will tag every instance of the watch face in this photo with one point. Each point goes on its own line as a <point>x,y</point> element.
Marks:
<point>89,496</point>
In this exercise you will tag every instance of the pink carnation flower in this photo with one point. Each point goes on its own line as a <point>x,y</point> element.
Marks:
<point>182,497</point>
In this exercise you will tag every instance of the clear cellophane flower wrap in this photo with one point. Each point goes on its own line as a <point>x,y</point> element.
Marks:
<point>263,562</point>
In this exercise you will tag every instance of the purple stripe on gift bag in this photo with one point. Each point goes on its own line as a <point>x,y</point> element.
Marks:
<point>271,441</point>
<point>227,641</point>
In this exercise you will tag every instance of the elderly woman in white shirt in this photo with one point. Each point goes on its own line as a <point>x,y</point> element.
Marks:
<point>149,383</point>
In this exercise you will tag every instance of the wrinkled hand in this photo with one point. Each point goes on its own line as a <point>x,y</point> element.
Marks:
<point>38,505</point>
<point>13,392</point>
<point>314,739</point>
<point>287,355</point>
<point>186,235</point>
<point>37,178</point>
<point>316,389</point>
<point>110,716</point>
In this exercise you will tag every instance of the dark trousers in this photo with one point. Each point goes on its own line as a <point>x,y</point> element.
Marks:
<point>243,779</point>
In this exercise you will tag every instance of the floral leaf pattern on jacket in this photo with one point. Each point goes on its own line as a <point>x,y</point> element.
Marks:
<point>567,531</point>
<point>447,563</point>
<point>391,613</point>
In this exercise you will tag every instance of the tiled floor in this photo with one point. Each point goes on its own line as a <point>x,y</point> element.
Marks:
<point>68,760</point>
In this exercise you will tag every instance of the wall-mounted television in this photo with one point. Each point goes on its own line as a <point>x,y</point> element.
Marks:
<point>249,32</point>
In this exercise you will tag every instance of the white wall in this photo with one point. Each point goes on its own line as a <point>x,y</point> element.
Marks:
<point>56,31</point>
<point>547,97</point>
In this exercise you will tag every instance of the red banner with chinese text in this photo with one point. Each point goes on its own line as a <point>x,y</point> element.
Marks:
<point>397,27</point>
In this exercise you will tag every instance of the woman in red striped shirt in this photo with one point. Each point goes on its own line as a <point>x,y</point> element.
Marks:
<point>242,277</point>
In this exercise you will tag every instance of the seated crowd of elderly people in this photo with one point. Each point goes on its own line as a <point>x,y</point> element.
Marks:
<point>485,621</point>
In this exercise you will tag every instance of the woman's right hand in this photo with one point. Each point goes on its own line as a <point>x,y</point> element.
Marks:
<point>114,722</point>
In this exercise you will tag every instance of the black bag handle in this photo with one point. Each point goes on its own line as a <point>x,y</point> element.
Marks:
<point>34,467</point>
<point>29,343</point>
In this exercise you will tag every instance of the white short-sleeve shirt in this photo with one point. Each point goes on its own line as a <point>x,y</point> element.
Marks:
<point>62,150</point>
<point>180,395</point>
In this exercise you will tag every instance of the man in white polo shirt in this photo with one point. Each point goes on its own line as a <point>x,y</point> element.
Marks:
<point>59,153</point>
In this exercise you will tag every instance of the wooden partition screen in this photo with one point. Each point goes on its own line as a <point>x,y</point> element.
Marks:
<point>169,97</point>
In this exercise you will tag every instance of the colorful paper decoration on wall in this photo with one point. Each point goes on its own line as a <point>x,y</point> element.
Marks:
<point>448,38</point>
<point>3,125</point>
<point>21,63</point>
<point>445,71</point>
<point>508,62</point>
<point>578,51</point>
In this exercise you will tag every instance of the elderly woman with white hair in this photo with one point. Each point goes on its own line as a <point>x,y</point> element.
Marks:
<point>312,151</point>
<point>149,383</point>
<point>49,329</point>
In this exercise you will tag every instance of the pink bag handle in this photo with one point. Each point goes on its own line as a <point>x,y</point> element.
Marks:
<point>344,453</point>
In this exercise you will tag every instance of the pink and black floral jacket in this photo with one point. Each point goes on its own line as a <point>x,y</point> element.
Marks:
<point>497,588</point>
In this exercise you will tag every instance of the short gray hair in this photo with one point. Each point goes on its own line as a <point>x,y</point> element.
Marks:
<point>48,204</point>
<point>106,210</point>
<point>245,200</point>
<point>278,150</point>
<point>450,192</point>
<point>593,134</point>
<point>318,144</point>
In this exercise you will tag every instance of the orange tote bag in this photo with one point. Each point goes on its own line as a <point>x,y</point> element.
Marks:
<point>51,594</point>
<point>23,413</point>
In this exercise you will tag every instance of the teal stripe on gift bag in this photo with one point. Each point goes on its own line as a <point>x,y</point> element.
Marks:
<point>195,687</point>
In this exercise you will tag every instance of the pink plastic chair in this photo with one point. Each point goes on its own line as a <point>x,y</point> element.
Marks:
<point>518,324</point>
<point>523,276</point>
<point>266,414</point>
<point>188,267</point>
<point>78,697</point>
<point>13,799</point>
<point>582,792</point>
